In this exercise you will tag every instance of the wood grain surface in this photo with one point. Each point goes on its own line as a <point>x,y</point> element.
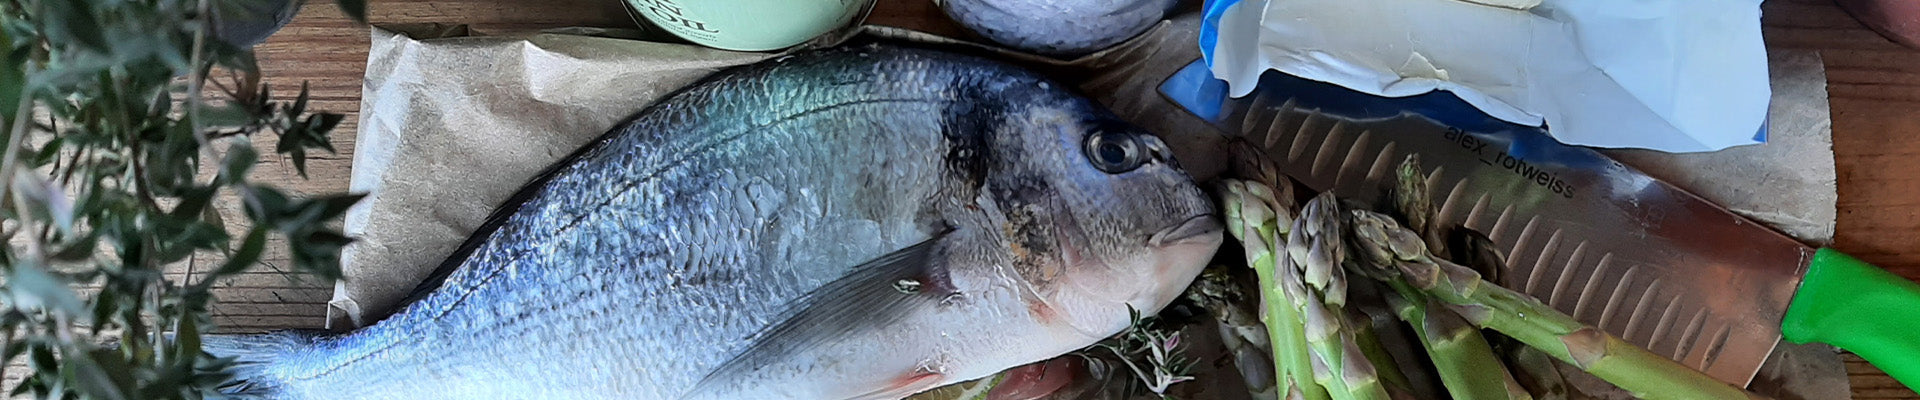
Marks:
<point>1874,87</point>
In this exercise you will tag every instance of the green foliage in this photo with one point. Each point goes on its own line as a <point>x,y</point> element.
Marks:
<point>106,133</point>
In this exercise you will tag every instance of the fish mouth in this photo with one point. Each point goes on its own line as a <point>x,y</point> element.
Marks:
<point>1199,227</point>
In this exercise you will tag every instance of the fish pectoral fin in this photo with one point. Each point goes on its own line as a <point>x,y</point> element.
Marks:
<point>875,294</point>
<point>905,386</point>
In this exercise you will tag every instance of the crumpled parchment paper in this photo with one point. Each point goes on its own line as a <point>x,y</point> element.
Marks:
<point>452,123</point>
<point>450,126</point>
<point>1787,182</point>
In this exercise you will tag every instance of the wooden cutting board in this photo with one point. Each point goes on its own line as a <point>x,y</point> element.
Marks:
<point>1874,88</point>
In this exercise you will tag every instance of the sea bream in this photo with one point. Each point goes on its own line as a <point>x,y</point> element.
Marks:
<point>863,222</point>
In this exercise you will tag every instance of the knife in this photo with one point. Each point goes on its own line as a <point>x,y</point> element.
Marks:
<point>1591,237</point>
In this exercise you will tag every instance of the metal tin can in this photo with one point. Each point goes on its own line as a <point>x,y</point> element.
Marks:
<point>750,25</point>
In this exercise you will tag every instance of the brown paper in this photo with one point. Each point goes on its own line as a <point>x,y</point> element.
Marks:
<point>453,123</point>
<point>450,125</point>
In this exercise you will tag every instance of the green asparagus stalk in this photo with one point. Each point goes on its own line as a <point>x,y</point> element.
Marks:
<point>1376,352</point>
<point>1537,372</point>
<point>1474,250</point>
<point>1463,358</point>
<point>1400,255</point>
<point>1414,203</point>
<point>1531,368</point>
<point>1465,361</point>
<point>1251,163</point>
<point>1405,368</point>
<point>1315,251</point>
<point>1256,217</point>
<point>1240,329</point>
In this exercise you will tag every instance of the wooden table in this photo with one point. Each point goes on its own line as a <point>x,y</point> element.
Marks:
<point>1874,88</point>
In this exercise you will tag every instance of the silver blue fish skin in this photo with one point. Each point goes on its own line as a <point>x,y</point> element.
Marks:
<point>863,222</point>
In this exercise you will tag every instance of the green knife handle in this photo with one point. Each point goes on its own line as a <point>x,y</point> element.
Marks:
<point>1861,308</point>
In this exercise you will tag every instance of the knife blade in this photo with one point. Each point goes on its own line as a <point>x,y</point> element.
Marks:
<point>1612,247</point>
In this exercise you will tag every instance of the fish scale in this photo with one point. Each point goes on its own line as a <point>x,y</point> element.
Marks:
<point>745,238</point>
<point>582,244</point>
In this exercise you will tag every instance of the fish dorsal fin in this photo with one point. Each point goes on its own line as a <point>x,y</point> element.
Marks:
<point>876,293</point>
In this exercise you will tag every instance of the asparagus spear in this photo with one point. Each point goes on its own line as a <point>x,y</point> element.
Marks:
<point>1390,343</point>
<point>1414,203</point>
<point>1399,254</point>
<point>1463,358</point>
<point>1315,252</point>
<point>1376,352</point>
<point>1240,329</point>
<point>1533,369</point>
<point>1465,361</point>
<point>1256,217</point>
<point>1537,372</point>
<point>1474,250</point>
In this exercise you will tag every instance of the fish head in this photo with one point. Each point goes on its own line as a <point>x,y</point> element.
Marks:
<point>1099,216</point>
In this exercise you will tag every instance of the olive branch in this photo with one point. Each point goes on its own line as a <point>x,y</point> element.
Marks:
<point>115,164</point>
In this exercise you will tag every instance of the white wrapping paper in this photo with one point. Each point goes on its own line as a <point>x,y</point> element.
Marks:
<point>1670,75</point>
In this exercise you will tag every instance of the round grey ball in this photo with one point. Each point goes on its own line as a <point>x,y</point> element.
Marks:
<point>1057,27</point>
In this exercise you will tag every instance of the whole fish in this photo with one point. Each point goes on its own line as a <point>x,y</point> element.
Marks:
<point>862,222</point>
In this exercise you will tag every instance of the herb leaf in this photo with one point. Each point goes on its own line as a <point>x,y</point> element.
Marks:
<point>114,182</point>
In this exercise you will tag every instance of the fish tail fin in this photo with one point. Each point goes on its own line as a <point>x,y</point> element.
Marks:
<point>253,359</point>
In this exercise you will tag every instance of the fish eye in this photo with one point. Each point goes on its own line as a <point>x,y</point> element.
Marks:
<point>1115,151</point>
